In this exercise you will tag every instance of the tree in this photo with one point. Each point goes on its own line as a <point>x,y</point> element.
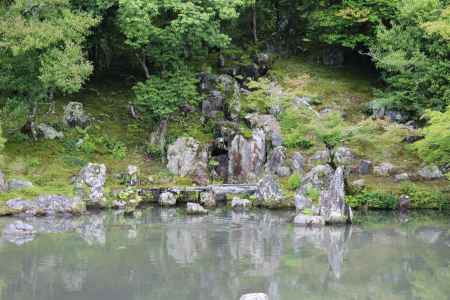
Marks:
<point>41,48</point>
<point>412,54</point>
<point>435,147</point>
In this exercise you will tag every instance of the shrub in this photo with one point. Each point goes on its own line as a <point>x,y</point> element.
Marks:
<point>426,198</point>
<point>377,200</point>
<point>294,182</point>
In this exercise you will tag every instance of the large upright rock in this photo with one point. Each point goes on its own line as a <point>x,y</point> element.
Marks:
<point>229,88</point>
<point>186,157</point>
<point>269,192</point>
<point>247,157</point>
<point>213,104</point>
<point>94,177</point>
<point>270,126</point>
<point>316,180</point>
<point>276,163</point>
<point>332,201</point>
<point>74,115</point>
<point>3,183</point>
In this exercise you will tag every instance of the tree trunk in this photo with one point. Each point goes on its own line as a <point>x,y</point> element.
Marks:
<point>143,62</point>
<point>255,37</point>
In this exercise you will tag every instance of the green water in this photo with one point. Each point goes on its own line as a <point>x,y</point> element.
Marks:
<point>164,254</point>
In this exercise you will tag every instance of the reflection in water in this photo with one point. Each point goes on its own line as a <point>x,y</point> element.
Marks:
<point>166,255</point>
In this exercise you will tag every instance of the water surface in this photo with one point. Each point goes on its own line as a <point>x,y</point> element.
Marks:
<point>164,254</point>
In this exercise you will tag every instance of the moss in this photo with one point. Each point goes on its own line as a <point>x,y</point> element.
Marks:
<point>190,125</point>
<point>245,132</point>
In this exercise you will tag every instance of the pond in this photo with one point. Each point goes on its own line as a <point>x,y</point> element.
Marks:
<point>164,254</point>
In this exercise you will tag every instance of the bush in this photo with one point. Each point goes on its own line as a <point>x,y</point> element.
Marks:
<point>426,198</point>
<point>159,97</point>
<point>294,182</point>
<point>435,147</point>
<point>2,139</point>
<point>377,200</point>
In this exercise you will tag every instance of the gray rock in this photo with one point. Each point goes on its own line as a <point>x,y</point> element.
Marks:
<point>276,163</point>
<point>48,132</point>
<point>359,184</point>
<point>18,184</point>
<point>254,296</point>
<point>320,157</point>
<point>384,169</point>
<point>304,220</point>
<point>332,201</point>
<point>208,199</point>
<point>195,209</point>
<point>269,191</point>
<point>404,203</point>
<point>297,162</point>
<point>47,205</point>
<point>343,156</point>
<point>240,203</point>
<point>186,157</point>
<point>3,183</point>
<point>247,157</point>
<point>119,204</point>
<point>19,233</point>
<point>167,199</point>
<point>132,175</point>
<point>94,176</point>
<point>206,82</point>
<point>270,126</point>
<point>213,104</point>
<point>365,167</point>
<point>232,96</point>
<point>74,115</point>
<point>401,177</point>
<point>302,201</point>
<point>430,173</point>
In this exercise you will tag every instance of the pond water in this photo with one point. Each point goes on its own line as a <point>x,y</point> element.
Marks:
<point>164,254</point>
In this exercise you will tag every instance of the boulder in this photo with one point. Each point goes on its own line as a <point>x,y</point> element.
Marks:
<point>229,88</point>
<point>365,167</point>
<point>254,296</point>
<point>207,199</point>
<point>320,157</point>
<point>269,192</point>
<point>238,203</point>
<point>206,82</point>
<point>343,156</point>
<point>47,205</point>
<point>384,169</point>
<point>74,115</point>
<point>302,201</point>
<point>19,184</point>
<point>94,177</point>
<point>404,203</point>
<point>297,162</point>
<point>132,175</point>
<point>332,201</point>
<point>264,62</point>
<point>270,126</point>
<point>195,209</point>
<point>186,157</point>
<point>430,173</point>
<point>276,163</point>
<point>48,132</point>
<point>401,177</point>
<point>213,104</point>
<point>358,185</point>
<point>247,157</point>
<point>3,183</point>
<point>167,199</point>
<point>305,220</point>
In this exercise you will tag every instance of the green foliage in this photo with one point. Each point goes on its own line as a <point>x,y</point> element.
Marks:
<point>41,48</point>
<point>377,200</point>
<point>313,194</point>
<point>426,197</point>
<point>295,133</point>
<point>259,100</point>
<point>2,139</point>
<point>435,147</point>
<point>160,97</point>
<point>294,182</point>
<point>413,55</point>
<point>329,130</point>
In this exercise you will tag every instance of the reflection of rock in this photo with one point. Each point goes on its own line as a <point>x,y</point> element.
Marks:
<point>185,245</point>
<point>19,233</point>
<point>254,296</point>
<point>429,235</point>
<point>195,209</point>
<point>74,279</point>
<point>93,231</point>
<point>332,240</point>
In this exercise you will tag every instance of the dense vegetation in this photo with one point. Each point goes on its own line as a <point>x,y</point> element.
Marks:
<point>53,49</point>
